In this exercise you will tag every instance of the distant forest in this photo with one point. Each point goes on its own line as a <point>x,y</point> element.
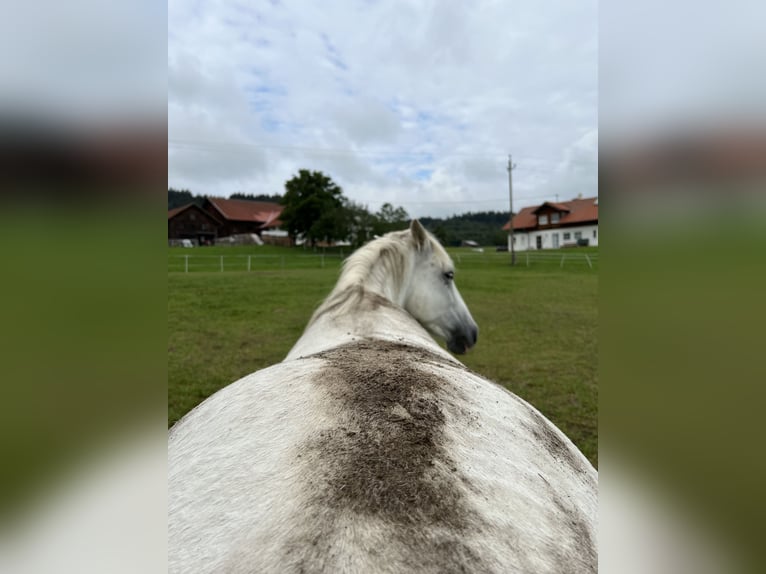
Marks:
<point>179,197</point>
<point>483,227</point>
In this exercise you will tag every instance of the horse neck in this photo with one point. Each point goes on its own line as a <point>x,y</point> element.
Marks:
<point>374,318</point>
<point>382,269</point>
<point>366,303</point>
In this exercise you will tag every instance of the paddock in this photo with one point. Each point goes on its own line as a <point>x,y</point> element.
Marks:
<point>223,326</point>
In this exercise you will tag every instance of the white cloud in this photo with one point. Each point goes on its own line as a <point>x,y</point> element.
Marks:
<point>417,104</point>
<point>366,121</point>
<point>574,175</point>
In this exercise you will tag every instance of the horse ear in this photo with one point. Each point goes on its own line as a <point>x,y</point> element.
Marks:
<point>419,234</point>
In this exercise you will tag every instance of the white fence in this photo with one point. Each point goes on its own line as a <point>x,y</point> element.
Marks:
<point>192,262</point>
<point>188,263</point>
<point>531,258</point>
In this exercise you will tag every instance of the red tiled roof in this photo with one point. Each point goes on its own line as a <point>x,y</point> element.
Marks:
<point>244,210</point>
<point>583,210</point>
<point>272,221</point>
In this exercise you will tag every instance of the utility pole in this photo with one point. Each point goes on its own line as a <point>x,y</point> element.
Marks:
<point>511,166</point>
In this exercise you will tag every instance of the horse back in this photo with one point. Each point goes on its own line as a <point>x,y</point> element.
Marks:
<point>376,457</point>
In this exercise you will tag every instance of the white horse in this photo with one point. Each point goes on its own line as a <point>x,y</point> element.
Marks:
<point>370,449</point>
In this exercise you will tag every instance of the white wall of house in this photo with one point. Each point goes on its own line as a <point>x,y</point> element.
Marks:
<point>553,238</point>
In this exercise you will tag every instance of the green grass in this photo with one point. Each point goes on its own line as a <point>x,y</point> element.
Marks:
<point>537,325</point>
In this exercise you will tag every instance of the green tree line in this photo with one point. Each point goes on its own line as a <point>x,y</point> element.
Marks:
<point>483,227</point>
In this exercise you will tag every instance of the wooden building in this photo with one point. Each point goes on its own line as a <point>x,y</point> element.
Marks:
<point>242,216</point>
<point>217,217</point>
<point>192,222</point>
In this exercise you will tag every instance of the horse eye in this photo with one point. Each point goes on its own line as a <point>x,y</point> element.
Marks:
<point>449,275</point>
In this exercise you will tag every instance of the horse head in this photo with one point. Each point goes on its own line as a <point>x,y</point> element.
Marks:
<point>432,297</point>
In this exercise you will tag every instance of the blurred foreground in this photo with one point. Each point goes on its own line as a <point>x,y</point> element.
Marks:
<point>682,178</point>
<point>82,178</point>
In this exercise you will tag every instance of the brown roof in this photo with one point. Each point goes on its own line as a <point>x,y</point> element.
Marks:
<point>244,210</point>
<point>583,210</point>
<point>559,206</point>
<point>176,210</point>
<point>273,220</point>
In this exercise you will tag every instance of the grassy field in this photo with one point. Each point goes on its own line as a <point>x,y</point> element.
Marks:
<point>537,323</point>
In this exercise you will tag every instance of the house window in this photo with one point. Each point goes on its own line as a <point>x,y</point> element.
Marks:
<point>193,216</point>
<point>567,236</point>
<point>555,217</point>
<point>542,219</point>
<point>578,234</point>
<point>595,231</point>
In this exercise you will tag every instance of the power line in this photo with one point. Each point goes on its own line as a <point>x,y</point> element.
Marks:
<point>430,202</point>
<point>447,202</point>
<point>496,199</point>
<point>174,142</point>
<point>191,144</point>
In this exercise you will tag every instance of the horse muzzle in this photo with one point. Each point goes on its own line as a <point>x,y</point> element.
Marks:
<point>460,341</point>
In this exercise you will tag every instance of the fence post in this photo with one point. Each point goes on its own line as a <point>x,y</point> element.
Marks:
<point>186,263</point>
<point>221,263</point>
<point>588,260</point>
<point>562,261</point>
<point>248,262</point>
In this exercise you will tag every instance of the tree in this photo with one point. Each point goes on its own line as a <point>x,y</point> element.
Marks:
<point>361,223</point>
<point>483,227</point>
<point>314,207</point>
<point>390,218</point>
<point>276,198</point>
<point>179,197</point>
<point>441,234</point>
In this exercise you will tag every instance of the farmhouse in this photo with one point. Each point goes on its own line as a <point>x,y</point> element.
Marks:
<point>217,217</point>
<point>192,222</point>
<point>553,225</point>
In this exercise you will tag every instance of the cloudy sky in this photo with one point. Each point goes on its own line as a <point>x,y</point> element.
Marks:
<point>417,103</point>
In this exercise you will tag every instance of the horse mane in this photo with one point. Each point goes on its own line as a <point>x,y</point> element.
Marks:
<point>371,275</point>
